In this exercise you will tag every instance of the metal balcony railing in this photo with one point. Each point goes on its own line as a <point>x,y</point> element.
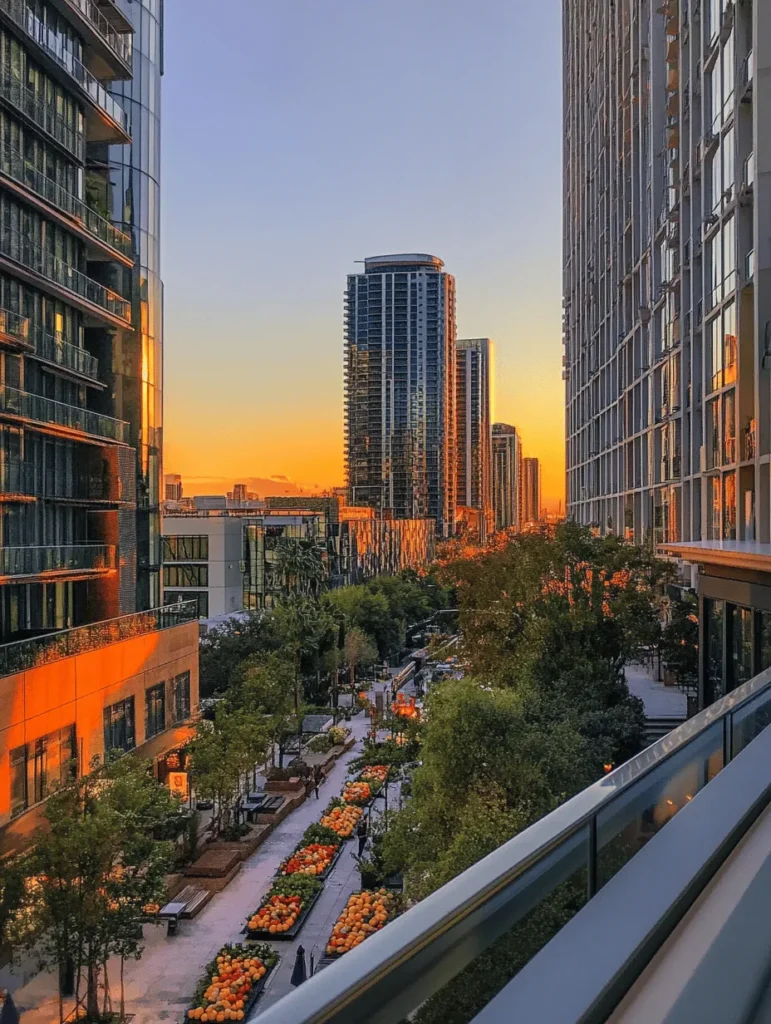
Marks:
<point>48,346</point>
<point>13,164</point>
<point>589,838</point>
<point>43,650</point>
<point>24,250</point>
<point>45,410</point>
<point>24,99</point>
<point>33,561</point>
<point>16,477</point>
<point>121,43</point>
<point>51,42</point>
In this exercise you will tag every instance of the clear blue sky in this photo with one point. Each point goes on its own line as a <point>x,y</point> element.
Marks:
<point>302,135</point>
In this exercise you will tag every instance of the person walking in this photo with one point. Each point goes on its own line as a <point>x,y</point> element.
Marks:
<point>316,779</point>
<point>361,834</point>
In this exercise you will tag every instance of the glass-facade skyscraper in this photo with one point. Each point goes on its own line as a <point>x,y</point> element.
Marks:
<point>473,379</point>
<point>507,477</point>
<point>400,388</point>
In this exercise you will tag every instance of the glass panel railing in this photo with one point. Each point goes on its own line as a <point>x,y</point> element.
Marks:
<point>48,346</point>
<point>16,477</point>
<point>24,250</point>
<point>53,44</point>
<point>120,43</point>
<point>32,561</point>
<point>42,650</point>
<point>13,164</point>
<point>19,95</point>
<point>46,410</point>
<point>14,325</point>
<point>592,835</point>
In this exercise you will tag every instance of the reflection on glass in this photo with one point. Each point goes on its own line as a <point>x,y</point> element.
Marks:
<point>741,647</point>
<point>715,685</point>
<point>749,721</point>
<point>729,506</point>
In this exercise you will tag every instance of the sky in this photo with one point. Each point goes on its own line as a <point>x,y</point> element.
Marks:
<point>300,136</point>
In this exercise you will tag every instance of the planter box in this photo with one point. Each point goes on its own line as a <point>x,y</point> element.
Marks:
<point>215,862</point>
<point>290,802</point>
<point>215,885</point>
<point>245,847</point>
<point>289,786</point>
<point>264,936</point>
<point>322,877</point>
<point>254,994</point>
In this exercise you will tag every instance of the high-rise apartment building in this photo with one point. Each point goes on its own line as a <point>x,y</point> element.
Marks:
<point>507,477</point>
<point>80,397</point>
<point>400,388</point>
<point>531,489</point>
<point>667,302</point>
<point>173,487</point>
<point>473,376</point>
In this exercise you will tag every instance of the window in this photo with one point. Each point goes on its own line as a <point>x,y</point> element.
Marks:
<point>742,643</point>
<point>186,575</point>
<point>186,549</point>
<point>155,710</point>
<point>201,596</point>
<point>119,726</point>
<point>180,692</point>
<point>40,767</point>
<point>715,613</point>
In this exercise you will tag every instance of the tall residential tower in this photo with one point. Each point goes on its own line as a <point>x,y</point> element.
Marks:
<point>531,488</point>
<point>473,376</point>
<point>667,296</point>
<point>400,388</point>
<point>507,477</point>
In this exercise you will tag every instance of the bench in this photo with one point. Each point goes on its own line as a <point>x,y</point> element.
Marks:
<point>186,903</point>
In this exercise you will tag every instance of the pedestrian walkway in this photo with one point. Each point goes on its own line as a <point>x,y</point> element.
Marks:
<point>160,985</point>
<point>660,701</point>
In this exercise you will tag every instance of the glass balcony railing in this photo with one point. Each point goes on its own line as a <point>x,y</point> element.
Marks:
<point>121,43</point>
<point>13,164</point>
<point>48,346</point>
<point>19,95</point>
<point>16,477</point>
<point>24,250</point>
<point>51,42</point>
<point>46,410</point>
<point>43,650</point>
<point>33,561</point>
<point>585,842</point>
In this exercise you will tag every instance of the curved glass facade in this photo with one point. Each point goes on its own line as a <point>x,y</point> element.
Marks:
<point>133,197</point>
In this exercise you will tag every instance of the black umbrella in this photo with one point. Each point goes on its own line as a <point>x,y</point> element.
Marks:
<point>299,971</point>
<point>8,1012</point>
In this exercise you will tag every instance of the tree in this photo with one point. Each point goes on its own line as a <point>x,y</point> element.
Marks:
<point>360,651</point>
<point>101,859</point>
<point>307,630</point>
<point>222,752</point>
<point>299,567</point>
<point>359,606</point>
<point>224,649</point>
<point>680,641</point>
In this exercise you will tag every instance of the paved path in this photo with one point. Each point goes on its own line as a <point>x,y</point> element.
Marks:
<point>159,986</point>
<point>660,701</point>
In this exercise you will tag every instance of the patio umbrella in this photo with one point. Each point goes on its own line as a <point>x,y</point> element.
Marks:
<point>8,1012</point>
<point>299,971</point>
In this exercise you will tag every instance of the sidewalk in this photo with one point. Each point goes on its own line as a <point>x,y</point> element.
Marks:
<point>660,701</point>
<point>160,985</point>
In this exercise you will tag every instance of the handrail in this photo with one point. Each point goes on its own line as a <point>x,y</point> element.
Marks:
<point>418,953</point>
<point>37,559</point>
<point>121,43</point>
<point>17,93</point>
<point>16,166</point>
<point>43,650</point>
<point>51,347</point>
<point>50,41</point>
<point>46,410</point>
<point>23,249</point>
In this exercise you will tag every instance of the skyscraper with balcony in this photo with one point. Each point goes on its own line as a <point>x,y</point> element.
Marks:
<point>80,397</point>
<point>667,293</point>
<point>400,388</point>
<point>531,489</point>
<point>507,477</point>
<point>473,375</point>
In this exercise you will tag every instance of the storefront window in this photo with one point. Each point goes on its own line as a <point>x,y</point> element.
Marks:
<point>714,682</point>
<point>765,641</point>
<point>741,645</point>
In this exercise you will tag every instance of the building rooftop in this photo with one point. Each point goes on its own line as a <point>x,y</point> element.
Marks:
<point>411,260</point>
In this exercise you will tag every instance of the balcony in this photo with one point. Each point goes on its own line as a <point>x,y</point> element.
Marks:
<point>17,480</point>
<point>14,330</point>
<point>44,650</point>
<point>111,123</point>
<point>59,418</point>
<point>70,284</point>
<point>645,842</point>
<point>17,332</point>
<point>18,95</point>
<point>21,563</point>
<point>111,43</point>
<point>96,229</point>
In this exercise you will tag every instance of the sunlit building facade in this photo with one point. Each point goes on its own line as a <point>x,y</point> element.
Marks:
<point>473,376</point>
<point>667,296</point>
<point>82,637</point>
<point>531,490</point>
<point>400,389</point>
<point>507,477</point>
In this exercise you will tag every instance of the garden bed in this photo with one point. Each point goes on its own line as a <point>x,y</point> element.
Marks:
<point>215,862</point>
<point>325,873</point>
<point>206,1007</point>
<point>364,910</point>
<point>277,905</point>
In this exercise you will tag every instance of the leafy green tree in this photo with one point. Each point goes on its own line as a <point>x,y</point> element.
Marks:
<point>299,567</point>
<point>224,649</point>
<point>680,640</point>
<point>360,651</point>
<point>371,613</point>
